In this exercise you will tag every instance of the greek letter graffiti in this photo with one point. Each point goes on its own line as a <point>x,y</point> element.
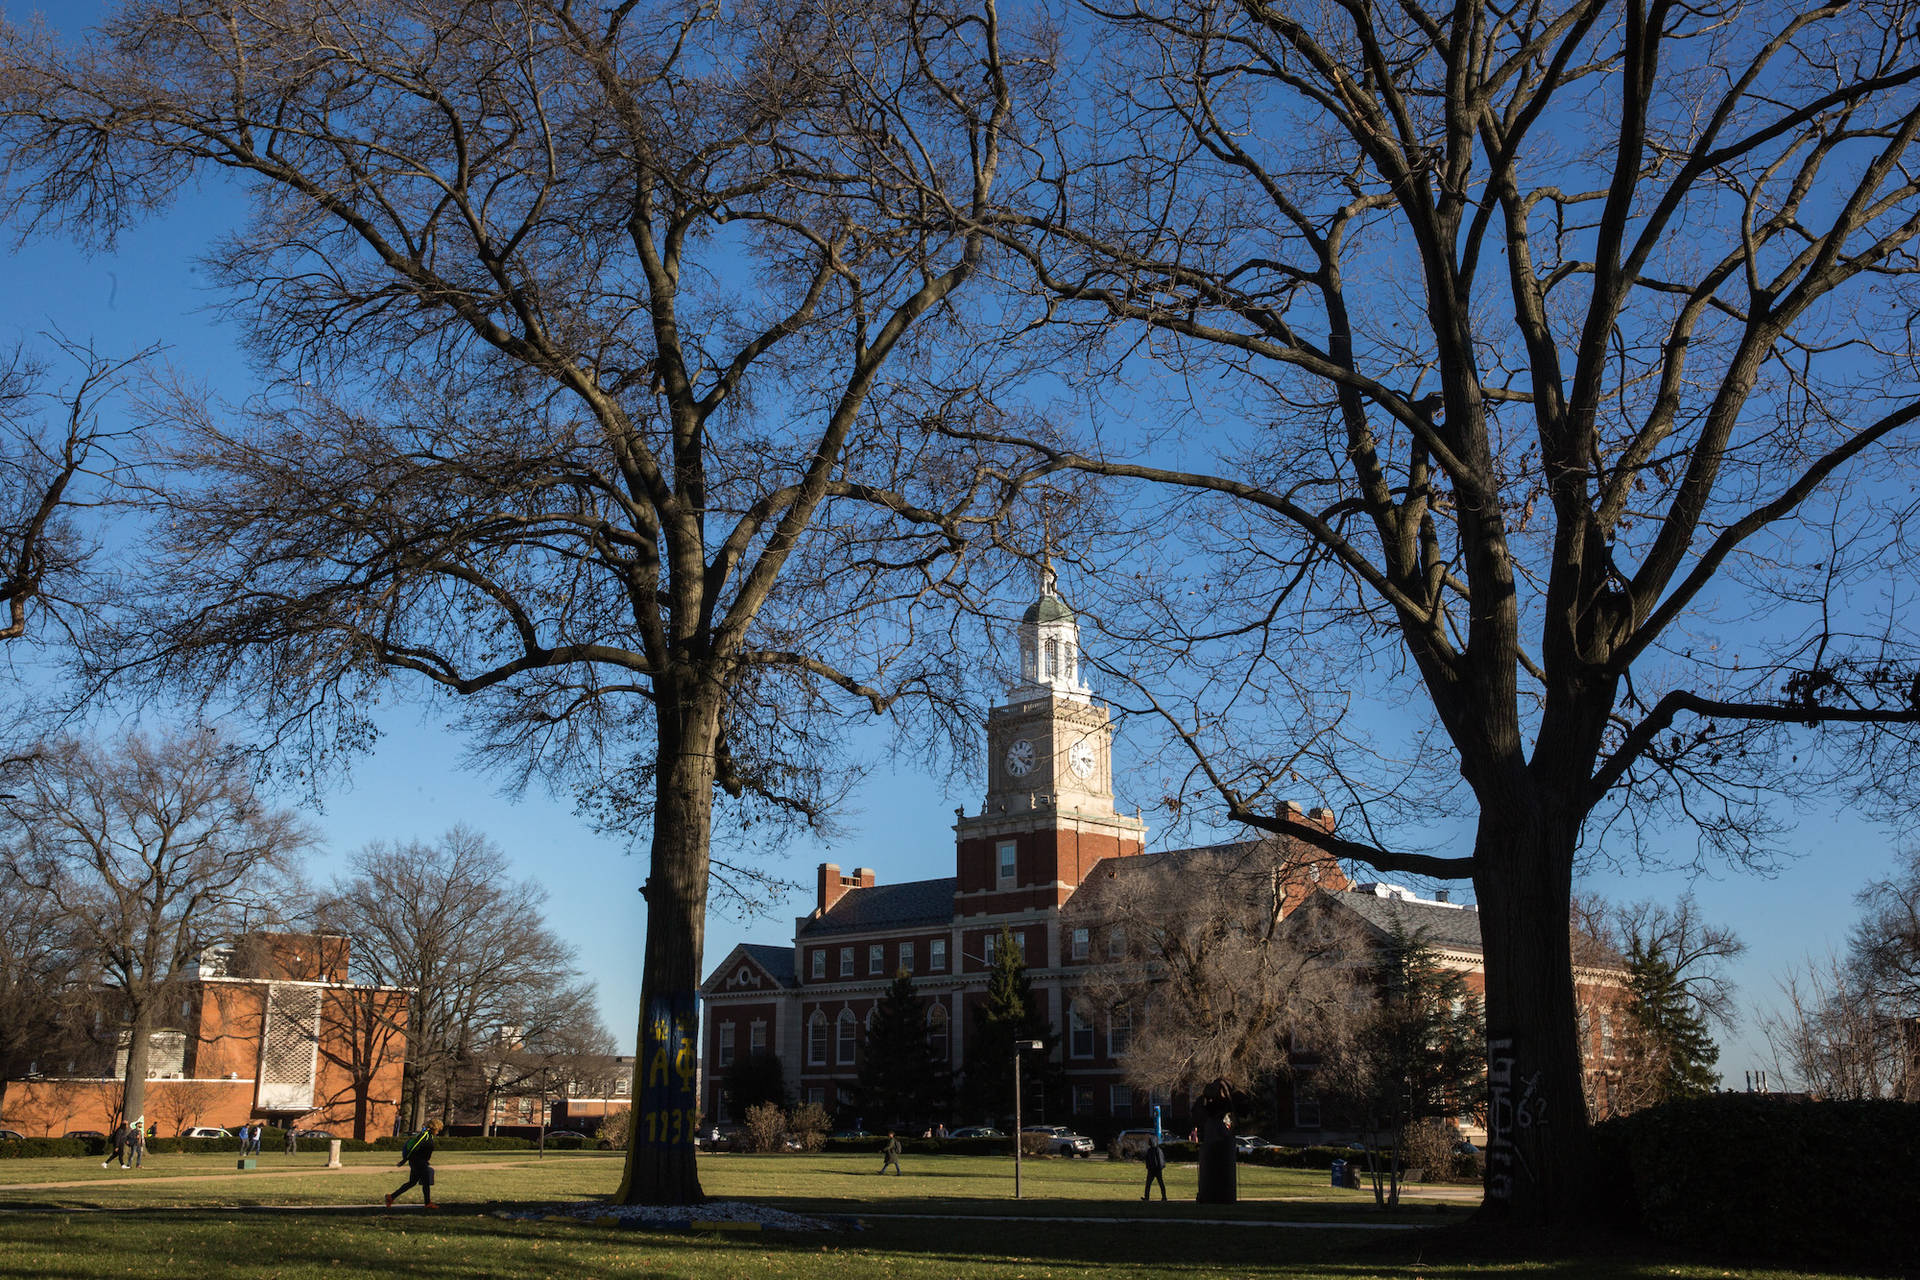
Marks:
<point>669,1107</point>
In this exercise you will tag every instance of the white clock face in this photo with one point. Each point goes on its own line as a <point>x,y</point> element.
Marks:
<point>1081,758</point>
<point>1020,758</point>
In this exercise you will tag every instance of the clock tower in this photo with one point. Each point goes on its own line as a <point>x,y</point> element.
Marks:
<point>1048,814</point>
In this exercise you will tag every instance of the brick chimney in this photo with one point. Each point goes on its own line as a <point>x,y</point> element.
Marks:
<point>832,886</point>
<point>1321,817</point>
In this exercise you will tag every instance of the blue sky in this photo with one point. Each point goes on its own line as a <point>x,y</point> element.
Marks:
<point>413,785</point>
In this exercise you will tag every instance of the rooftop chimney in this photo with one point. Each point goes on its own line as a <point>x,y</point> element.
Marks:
<point>1321,817</point>
<point>833,886</point>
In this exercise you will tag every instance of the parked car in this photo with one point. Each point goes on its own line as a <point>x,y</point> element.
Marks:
<point>1130,1144</point>
<point>204,1131</point>
<point>566,1138</point>
<point>320,1134</point>
<point>12,1135</point>
<point>85,1133</point>
<point>1061,1141</point>
<point>1247,1143</point>
<point>850,1133</point>
<point>717,1137</point>
<point>977,1131</point>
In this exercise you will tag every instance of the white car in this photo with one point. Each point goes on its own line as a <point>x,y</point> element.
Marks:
<point>204,1131</point>
<point>1058,1140</point>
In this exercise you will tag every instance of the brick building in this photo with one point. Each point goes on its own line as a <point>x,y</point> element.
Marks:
<point>268,1029</point>
<point>1047,820</point>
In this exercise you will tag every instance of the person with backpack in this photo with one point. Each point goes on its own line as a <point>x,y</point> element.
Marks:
<point>417,1154</point>
<point>890,1155</point>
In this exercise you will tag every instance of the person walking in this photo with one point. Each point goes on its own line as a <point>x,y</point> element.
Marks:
<point>119,1152</point>
<point>1156,1161</point>
<point>137,1144</point>
<point>417,1155</point>
<point>891,1155</point>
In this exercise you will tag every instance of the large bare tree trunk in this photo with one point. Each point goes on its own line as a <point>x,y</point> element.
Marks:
<point>666,1102</point>
<point>1537,1136</point>
<point>133,1097</point>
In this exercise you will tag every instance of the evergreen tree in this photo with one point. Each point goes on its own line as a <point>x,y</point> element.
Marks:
<point>1418,1055</point>
<point>1668,1054</point>
<point>752,1080</point>
<point>902,1084</point>
<point>1009,1014</point>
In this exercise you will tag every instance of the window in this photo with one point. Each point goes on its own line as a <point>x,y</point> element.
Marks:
<point>1120,1100</point>
<point>849,1036</point>
<point>1119,1031</point>
<point>620,1086</point>
<point>1306,1102</point>
<point>937,1039</point>
<point>937,954</point>
<point>817,1039</point>
<point>1080,1031</point>
<point>186,1008</point>
<point>1116,942</point>
<point>989,947</point>
<point>846,962</point>
<point>877,958</point>
<point>817,1095</point>
<point>1009,861</point>
<point>1083,1099</point>
<point>757,1038</point>
<point>1053,658</point>
<point>1079,944</point>
<point>723,1055</point>
<point>819,963</point>
<point>1606,1034</point>
<point>906,957</point>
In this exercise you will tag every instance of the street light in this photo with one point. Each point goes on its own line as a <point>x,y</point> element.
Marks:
<point>1018,1046</point>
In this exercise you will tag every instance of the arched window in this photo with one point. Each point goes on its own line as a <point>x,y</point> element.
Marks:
<point>817,1039</point>
<point>937,1030</point>
<point>849,1035</point>
<point>1053,658</point>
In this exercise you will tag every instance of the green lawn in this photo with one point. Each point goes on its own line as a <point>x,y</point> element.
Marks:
<point>197,1216</point>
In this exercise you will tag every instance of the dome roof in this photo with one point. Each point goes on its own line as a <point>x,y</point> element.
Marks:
<point>1047,609</point>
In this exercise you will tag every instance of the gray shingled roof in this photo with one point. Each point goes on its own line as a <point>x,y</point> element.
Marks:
<point>777,961</point>
<point>887,906</point>
<point>1441,926</point>
<point>1110,869</point>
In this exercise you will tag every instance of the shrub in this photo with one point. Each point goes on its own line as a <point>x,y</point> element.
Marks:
<point>613,1131</point>
<point>807,1124</point>
<point>765,1128</point>
<point>1770,1177</point>
<point>33,1148</point>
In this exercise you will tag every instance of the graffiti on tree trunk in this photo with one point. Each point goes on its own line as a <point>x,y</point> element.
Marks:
<point>1510,1118</point>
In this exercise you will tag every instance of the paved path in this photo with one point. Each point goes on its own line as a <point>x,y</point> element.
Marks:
<point>1148,1221</point>
<point>307,1172</point>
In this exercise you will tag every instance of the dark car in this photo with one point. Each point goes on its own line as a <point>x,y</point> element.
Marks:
<point>566,1139</point>
<point>12,1135</point>
<point>320,1134</point>
<point>85,1133</point>
<point>977,1131</point>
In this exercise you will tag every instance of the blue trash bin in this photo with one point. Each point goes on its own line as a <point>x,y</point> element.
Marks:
<point>1339,1173</point>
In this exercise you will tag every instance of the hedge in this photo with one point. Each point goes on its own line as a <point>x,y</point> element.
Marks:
<point>32,1148</point>
<point>1827,1182</point>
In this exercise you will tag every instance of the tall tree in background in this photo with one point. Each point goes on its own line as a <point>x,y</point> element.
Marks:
<point>1884,950</point>
<point>148,852</point>
<point>45,979</point>
<point>754,1079</point>
<point>601,390</point>
<point>447,923</point>
<point>1009,1014</point>
<point>1556,367</point>
<point>902,1085</point>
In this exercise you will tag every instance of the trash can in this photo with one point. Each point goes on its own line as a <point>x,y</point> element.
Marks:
<point>1339,1173</point>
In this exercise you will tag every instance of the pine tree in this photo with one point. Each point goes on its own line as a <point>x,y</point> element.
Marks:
<point>753,1080</point>
<point>1009,1014</point>
<point>902,1084</point>
<point>1668,1054</point>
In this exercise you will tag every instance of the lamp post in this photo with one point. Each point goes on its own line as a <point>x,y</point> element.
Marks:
<point>1018,1047</point>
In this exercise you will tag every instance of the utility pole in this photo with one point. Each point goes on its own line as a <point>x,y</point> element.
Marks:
<point>1018,1047</point>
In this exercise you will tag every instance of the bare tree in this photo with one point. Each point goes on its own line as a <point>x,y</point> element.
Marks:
<point>1194,962</point>
<point>148,852</point>
<point>615,322</point>
<point>1556,368</point>
<point>1831,1036</point>
<point>554,1039</point>
<point>43,556</point>
<point>1884,947</point>
<point>44,983</point>
<point>448,923</point>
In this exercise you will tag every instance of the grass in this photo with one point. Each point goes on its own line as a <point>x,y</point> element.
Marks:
<point>196,1215</point>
